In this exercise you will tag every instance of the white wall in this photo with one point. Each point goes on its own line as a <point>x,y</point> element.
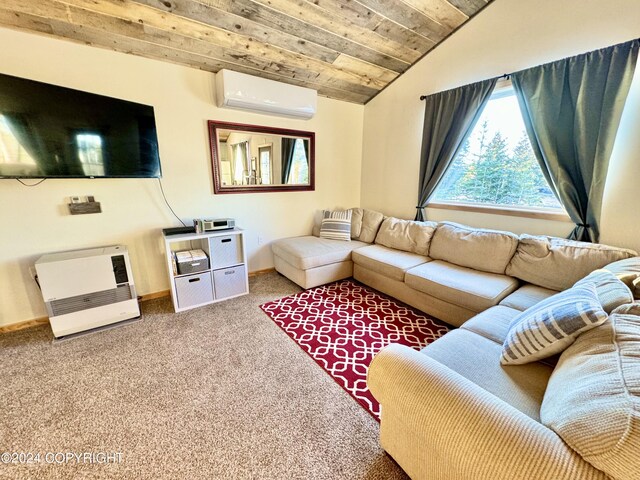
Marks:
<point>507,36</point>
<point>35,220</point>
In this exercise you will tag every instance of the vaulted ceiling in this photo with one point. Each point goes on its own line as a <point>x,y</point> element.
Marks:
<point>346,49</point>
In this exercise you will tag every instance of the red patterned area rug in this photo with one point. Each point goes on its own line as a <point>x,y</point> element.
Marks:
<point>344,324</point>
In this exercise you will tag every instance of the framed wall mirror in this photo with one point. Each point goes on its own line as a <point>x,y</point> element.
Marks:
<point>253,158</point>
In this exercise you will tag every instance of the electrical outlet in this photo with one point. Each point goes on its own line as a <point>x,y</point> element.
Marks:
<point>260,239</point>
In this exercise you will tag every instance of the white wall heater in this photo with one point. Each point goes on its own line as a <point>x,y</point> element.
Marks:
<point>85,289</point>
<point>260,95</point>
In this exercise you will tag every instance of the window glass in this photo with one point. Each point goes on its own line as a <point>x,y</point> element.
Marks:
<point>15,158</point>
<point>299,165</point>
<point>496,165</point>
<point>90,153</point>
<point>265,165</point>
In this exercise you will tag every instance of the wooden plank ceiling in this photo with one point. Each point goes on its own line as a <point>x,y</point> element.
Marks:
<point>345,49</point>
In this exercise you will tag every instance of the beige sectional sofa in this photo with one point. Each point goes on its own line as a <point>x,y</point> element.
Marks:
<point>310,261</point>
<point>452,411</point>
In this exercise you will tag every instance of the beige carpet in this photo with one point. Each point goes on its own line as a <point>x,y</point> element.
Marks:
<point>216,392</point>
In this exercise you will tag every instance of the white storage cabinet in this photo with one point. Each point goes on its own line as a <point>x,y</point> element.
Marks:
<point>226,276</point>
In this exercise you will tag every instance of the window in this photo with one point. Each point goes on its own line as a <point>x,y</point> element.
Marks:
<point>15,159</point>
<point>264,156</point>
<point>90,153</point>
<point>496,165</point>
<point>299,165</point>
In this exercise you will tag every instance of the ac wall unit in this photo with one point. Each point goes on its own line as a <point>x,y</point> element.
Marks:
<point>255,94</point>
<point>85,289</point>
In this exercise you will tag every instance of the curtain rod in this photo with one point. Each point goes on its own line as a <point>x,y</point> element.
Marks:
<point>506,75</point>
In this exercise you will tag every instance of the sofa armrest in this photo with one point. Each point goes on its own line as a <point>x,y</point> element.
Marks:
<point>439,425</point>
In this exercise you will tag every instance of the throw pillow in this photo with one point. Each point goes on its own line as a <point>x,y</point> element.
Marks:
<point>552,325</point>
<point>592,397</point>
<point>336,225</point>
<point>611,292</point>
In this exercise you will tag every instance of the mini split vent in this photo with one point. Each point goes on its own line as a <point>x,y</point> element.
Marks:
<point>260,95</point>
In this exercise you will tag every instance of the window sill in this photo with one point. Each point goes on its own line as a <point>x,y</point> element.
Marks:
<point>503,210</point>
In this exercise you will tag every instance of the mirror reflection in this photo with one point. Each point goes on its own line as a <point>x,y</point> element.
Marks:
<point>255,158</point>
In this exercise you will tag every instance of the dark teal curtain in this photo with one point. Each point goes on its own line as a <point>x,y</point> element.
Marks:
<point>305,144</point>
<point>572,109</point>
<point>288,147</point>
<point>449,118</point>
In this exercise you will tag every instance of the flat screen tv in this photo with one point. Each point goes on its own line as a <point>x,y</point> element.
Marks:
<point>48,131</point>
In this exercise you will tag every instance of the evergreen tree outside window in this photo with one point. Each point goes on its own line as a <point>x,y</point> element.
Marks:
<point>496,164</point>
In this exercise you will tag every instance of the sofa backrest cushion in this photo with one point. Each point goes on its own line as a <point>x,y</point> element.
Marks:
<point>371,221</point>
<point>356,222</point>
<point>611,292</point>
<point>628,271</point>
<point>477,248</point>
<point>406,235</point>
<point>593,396</point>
<point>558,263</point>
<point>317,222</point>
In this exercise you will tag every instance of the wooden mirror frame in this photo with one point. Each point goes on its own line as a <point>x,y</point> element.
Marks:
<point>218,188</point>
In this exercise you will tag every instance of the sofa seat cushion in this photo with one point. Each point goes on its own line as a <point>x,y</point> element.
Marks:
<point>493,323</point>
<point>478,359</point>
<point>310,252</point>
<point>593,397</point>
<point>461,286</point>
<point>527,296</point>
<point>387,261</point>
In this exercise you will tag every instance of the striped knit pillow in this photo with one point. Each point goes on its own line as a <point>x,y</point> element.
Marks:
<point>336,225</point>
<point>552,325</point>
